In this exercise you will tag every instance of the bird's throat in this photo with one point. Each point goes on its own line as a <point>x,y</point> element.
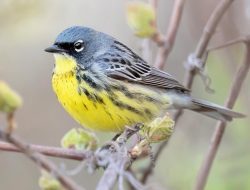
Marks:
<point>64,64</point>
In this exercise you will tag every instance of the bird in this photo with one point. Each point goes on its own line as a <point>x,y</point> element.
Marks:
<point>105,86</point>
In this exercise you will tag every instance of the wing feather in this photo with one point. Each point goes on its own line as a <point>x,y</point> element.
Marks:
<point>128,66</point>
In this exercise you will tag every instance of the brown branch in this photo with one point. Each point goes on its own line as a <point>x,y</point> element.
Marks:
<point>208,31</point>
<point>190,73</point>
<point>49,151</point>
<point>10,123</point>
<point>58,152</point>
<point>167,41</point>
<point>244,39</point>
<point>117,160</point>
<point>146,48</point>
<point>220,127</point>
<point>33,152</point>
<point>148,171</point>
<point>108,179</point>
<point>40,160</point>
<point>210,27</point>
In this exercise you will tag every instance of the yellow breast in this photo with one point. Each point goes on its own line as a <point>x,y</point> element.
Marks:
<point>104,109</point>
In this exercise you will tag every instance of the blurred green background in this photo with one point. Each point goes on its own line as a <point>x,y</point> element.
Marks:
<point>29,26</point>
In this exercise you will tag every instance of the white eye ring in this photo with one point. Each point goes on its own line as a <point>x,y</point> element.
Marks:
<point>78,45</point>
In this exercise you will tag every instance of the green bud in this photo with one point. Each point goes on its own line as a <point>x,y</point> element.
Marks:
<point>79,139</point>
<point>48,182</point>
<point>159,129</point>
<point>141,19</point>
<point>9,99</point>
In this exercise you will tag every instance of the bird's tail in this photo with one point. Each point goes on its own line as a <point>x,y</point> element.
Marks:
<point>214,111</point>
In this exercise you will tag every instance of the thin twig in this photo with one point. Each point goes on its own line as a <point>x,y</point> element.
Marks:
<point>49,151</point>
<point>117,160</point>
<point>220,127</point>
<point>158,38</point>
<point>132,180</point>
<point>10,123</point>
<point>40,160</point>
<point>108,179</point>
<point>33,152</point>
<point>208,32</point>
<point>190,73</point>
<point>148,171</point>
<point>173,26</point>
<point>146,48</point>
<point>229,43</point>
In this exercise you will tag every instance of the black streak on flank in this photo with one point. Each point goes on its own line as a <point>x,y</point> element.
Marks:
<point>86,92</point>
<point>123,90</point>
<point>91,82</point>
<point>109,114</point>
<point>119,88</point>
<point>89,96</point>
<point>80,76</point>
<point>124,106</point>
<point>79,91</point>
<point>136,96</point>
<point>92,97</point>
<point>150,99</point>
<point>148,113</point>
<point>98,99</point>
<point>85,106</point>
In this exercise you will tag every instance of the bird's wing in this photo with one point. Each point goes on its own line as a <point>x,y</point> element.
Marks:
<point>124,64</point>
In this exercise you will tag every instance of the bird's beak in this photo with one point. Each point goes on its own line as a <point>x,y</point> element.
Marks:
<point>55,49</point>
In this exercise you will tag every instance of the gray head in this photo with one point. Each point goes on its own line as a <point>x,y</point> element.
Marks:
<point>81,43</point>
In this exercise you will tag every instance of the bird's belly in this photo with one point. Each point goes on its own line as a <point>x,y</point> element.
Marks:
<point>107,110</point>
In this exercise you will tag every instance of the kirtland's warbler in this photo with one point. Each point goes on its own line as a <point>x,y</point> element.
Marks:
<point>105,86</point>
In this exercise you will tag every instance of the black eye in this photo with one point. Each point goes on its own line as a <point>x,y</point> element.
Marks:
<point>78,45</point>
